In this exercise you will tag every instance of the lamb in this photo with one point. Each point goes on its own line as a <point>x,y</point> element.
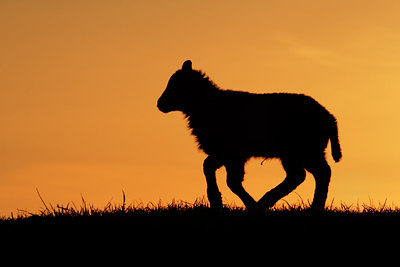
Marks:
<point>234,126</point>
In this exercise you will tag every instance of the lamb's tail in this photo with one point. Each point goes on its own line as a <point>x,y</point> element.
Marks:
<point>335,146</point>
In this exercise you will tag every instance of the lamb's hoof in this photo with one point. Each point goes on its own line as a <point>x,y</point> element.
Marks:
<point>216,206</point>
<point>255,210</point>
<point>315,210</point>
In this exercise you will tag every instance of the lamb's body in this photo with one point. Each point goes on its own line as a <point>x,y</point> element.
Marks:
<point>240,124</point>
<point>232,126</point>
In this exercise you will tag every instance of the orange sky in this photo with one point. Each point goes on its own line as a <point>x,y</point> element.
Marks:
<point>79,81</point>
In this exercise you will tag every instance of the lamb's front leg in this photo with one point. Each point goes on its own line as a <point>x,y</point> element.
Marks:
<point>210,166</point>
<point>234,178</point>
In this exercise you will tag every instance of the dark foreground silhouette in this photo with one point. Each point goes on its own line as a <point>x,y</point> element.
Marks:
<point>232,126</point>
<point>195,227</point>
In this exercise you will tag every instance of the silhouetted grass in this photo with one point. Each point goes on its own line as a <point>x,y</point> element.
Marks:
<point>199,208</point>
<point>172,231</point>
<point>181,221</point>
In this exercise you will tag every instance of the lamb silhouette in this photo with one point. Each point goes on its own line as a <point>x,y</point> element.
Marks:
<point>233,126</point>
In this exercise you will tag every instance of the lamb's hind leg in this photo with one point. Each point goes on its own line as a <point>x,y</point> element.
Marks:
<point>295,176</point>
<point>234,179</point>
<point>322,174</point>
<point>210,166</point>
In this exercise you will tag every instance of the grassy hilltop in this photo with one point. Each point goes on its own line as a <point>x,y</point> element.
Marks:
<point>195,229</point>
<point>180,220</point>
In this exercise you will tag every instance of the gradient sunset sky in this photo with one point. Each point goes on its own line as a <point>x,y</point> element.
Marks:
<point>79,81</point>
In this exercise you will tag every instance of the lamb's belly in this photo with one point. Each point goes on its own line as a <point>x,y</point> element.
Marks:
<point>255,144</point>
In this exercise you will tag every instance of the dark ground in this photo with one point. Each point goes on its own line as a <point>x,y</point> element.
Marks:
<point>195,228</point>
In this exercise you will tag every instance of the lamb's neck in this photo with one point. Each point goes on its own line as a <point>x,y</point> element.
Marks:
<point>202,105</point>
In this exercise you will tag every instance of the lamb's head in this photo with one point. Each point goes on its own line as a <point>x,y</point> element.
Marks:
<point>185,89</point>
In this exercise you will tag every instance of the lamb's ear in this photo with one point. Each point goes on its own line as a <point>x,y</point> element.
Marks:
<point>187,65</point>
